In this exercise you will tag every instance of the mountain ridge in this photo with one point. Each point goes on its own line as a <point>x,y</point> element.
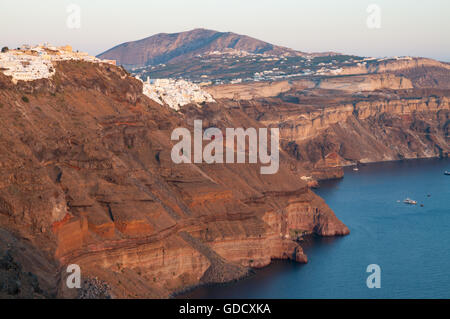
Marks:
<point>175,47</point>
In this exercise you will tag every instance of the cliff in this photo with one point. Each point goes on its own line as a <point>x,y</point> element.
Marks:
<point>88,180</point>
<point>360,83</point>
<point>421,71</point>
<point>366,131</point>
<point>348,84</point>
<point>249,91</point>
<point>330,122</point>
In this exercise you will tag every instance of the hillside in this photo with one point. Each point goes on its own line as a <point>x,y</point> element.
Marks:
<point>176,47</point>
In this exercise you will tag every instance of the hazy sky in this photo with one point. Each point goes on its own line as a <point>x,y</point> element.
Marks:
<point>408,27</point>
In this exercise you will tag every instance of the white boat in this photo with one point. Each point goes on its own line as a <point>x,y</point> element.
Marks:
<point>356,169</point>
<point>446,173</point>
<point>409,201</point>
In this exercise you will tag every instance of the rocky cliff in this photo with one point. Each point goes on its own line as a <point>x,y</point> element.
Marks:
<point>87,179</point>
<point>421,71</point>
<point>330,122</point>
<point>366,131</point>
<point>177,47</point>
<point>348,84</point>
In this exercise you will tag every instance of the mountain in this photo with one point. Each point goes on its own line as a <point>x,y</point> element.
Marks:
<point>175,47</point>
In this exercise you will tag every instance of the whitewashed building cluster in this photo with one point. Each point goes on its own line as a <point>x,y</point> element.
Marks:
<point>175,93</point>
<point>33,63</point>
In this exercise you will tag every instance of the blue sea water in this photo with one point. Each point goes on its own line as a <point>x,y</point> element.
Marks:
<point>411,244</point>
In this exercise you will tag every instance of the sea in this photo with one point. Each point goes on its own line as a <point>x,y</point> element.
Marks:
<point>394,250</point>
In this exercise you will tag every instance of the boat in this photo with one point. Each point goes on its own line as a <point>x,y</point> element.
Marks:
<point>409,201</point>
<point>446,173</point>
<point>356,169</point>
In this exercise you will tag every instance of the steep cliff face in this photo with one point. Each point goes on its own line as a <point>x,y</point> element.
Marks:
<point>402,126</point>
<point>423,73</point>
<point>330,122</point>
<point>88,180</point>
<point>372,132</point>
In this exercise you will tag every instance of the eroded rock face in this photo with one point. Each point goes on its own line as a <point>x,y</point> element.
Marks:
<point>350,84</point>
<point>365,131</point>
<point>342,121</point>
<point>250,91</point>
<point>87,179</point>
<point>87,176</point>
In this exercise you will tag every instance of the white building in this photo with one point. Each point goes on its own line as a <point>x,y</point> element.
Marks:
<point>175,93</point>
<point>32,63</point>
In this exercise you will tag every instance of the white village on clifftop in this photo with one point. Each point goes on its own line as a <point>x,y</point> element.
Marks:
<point>175,93</point>
<point>29,63</point>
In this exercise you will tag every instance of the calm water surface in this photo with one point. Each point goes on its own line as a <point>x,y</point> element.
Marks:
<point>411,244</point>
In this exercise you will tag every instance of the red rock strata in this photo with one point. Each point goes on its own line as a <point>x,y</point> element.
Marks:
<point>87,179</point>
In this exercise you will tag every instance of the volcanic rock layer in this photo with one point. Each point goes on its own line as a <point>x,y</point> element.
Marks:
<point>87,179</point>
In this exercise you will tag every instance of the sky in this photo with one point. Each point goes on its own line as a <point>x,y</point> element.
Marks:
<point>405,27</point>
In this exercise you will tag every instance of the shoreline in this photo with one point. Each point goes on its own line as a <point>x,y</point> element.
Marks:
<point>365,164</point>
<point>253,271</point>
